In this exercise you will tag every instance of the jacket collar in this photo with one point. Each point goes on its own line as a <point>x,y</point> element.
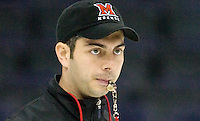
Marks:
<point>68,102</point>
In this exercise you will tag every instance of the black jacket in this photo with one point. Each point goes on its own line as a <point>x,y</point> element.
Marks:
<point>58,105</point>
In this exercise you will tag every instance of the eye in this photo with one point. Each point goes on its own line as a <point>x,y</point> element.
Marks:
<point>95,51</point>
<point>117,51</point>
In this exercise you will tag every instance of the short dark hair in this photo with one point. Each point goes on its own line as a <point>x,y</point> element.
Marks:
<point>71,43</point>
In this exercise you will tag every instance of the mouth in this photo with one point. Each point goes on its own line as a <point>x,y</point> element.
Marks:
<point>103,82</point>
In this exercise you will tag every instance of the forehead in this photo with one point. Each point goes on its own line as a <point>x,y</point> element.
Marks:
<point>114,38</point>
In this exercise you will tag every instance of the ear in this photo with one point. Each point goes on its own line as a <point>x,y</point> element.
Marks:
<point>63,53</point>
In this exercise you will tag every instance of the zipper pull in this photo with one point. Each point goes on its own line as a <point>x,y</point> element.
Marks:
<point>99,107</point>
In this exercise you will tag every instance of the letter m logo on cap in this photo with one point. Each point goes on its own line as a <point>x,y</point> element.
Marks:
<point>105,10</point>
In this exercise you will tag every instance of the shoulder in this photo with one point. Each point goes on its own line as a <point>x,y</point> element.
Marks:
<point>39,109</point>
<point>28,111</point>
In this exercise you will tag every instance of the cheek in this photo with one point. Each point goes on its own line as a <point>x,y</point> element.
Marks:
<point>120,61</point>
<point>85,68</point>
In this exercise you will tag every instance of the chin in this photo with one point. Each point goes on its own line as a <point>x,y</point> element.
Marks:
<point>100,94</point>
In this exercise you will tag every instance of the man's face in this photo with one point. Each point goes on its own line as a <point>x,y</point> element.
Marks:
<point>95,63</point>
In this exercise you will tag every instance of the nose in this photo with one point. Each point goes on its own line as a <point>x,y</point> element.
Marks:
<point>107,68</point>
<point>109,63</point>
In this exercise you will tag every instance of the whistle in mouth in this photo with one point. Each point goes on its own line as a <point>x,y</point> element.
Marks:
<point>110,86</point>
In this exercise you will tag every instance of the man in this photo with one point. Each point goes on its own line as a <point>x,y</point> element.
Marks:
<point>90,49</point>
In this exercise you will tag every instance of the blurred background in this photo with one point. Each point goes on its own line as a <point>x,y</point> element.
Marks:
<point>160,80</point>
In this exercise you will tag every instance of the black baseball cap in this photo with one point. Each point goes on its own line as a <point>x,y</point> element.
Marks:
<point>92,19</point>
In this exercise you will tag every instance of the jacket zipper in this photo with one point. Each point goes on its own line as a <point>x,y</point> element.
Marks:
<point>99,108</point>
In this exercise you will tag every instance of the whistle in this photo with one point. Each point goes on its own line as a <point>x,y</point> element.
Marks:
<point>111,86</point>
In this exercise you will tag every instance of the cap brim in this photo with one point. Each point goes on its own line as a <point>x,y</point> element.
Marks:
<point>105,29</point>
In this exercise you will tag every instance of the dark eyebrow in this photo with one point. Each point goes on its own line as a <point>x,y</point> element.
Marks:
<point>120,45</point>
<point>97,44</point>
<point>103,46</point>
